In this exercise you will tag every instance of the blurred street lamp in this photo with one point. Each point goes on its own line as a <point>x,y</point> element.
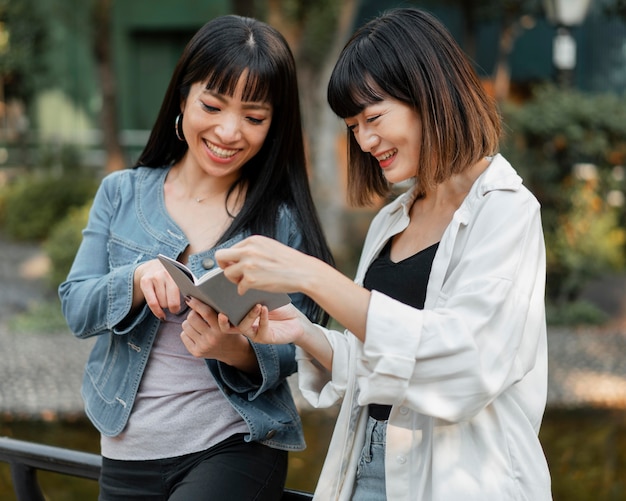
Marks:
<point>565,14</point>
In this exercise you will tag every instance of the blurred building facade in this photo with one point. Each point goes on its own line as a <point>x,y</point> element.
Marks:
<point>148,37</point>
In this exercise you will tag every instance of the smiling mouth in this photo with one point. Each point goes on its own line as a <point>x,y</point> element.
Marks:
<point>220,152</point>
<point>387,155</point>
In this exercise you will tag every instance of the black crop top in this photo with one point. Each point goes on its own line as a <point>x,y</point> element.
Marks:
<point>405,281</point>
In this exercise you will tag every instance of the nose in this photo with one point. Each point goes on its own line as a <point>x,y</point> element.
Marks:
<point>228,130</point>
<point>367,139</point>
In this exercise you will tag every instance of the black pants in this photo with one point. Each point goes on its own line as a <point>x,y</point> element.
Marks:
<point>233,469</point>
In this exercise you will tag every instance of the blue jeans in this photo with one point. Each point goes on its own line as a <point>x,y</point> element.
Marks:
<point>370,473</point>
<point>233,469</point>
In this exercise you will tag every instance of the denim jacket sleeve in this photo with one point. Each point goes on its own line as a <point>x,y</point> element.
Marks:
<point>96,298</point>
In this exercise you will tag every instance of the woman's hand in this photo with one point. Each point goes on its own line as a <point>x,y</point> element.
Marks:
<point>287,325</point>
<point>154,285</point>
<point>207,334</point>
<point>283,325</point>
<point>263,263</point>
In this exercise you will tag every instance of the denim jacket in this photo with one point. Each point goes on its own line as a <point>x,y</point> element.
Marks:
<point>129,224</point>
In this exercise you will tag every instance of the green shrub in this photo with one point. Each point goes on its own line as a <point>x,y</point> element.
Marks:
<point>546,139</point>
<point>63,243</point>
<point>575,313</point>
<point>34,204</point>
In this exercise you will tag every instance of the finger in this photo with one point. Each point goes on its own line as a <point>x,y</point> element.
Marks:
<point>227,257</point>
<point>197,305</point>
<point>188,341</point>
<point>172,296</point>
<point>202,309</point>
<point>152,301</point>
<point>250,319</point>
<point>264,321</point>
<point>260,329</point>
<point>225,326</point>
<point>199,323</point>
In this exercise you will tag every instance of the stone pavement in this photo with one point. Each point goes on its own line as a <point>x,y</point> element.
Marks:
<point>587,368</point>
<point>40,373</point>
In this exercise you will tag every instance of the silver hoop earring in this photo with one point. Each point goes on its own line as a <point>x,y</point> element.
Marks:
<point>178,127</point>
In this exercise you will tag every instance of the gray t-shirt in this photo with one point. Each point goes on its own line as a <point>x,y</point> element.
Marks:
<point>179,409</point>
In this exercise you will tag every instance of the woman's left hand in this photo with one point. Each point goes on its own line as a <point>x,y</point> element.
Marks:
<point>207,334</point>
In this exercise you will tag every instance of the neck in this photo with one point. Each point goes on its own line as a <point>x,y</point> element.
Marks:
<point>454,190</point>
<point>195,185</point>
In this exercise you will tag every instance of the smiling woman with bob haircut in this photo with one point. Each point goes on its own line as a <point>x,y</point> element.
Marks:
<point>442,369</point>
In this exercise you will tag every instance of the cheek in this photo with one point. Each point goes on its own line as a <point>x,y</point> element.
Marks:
<point>193,120</point>
<point>257,138</point>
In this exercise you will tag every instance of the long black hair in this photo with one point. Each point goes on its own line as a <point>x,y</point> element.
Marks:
<point>218,55</point>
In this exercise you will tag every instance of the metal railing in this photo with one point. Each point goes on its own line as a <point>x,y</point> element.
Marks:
<point>26,458</point>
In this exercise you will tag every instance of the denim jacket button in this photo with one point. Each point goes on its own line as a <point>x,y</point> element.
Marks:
<point>270,434</point>
<point>208,263</point>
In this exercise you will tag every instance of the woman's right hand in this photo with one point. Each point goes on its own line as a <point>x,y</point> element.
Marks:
<point>154,285</point>
<point>259,262</point>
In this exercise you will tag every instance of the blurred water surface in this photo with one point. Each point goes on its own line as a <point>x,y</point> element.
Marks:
<point>586,450</point>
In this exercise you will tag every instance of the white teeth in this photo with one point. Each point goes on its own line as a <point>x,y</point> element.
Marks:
<point>387,155</point>
<point>221,152</point>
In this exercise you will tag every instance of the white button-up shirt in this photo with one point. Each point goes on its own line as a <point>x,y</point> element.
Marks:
<point>466,376</point>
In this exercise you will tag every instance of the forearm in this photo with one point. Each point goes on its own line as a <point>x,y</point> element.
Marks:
<point>240,355</point>
<point>138,298</point>
<point>338,295</point>
<point>314,342</point>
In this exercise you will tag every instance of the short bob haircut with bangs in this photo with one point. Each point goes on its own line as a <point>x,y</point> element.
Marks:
<point>221,52</point>
<point>408,55</point>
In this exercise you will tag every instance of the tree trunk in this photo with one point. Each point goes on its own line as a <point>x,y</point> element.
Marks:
<point>244,8</point>
<point>323,129</point>
<point>103,55</point>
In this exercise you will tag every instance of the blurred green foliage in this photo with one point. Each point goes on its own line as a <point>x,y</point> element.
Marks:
<point>575,313</point>
<point>33,203</point>
<point>570,148</point>
<point>25,31</point>
<point>63,242</point>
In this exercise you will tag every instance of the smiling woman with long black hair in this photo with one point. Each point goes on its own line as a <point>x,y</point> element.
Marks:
<point>186,412</point>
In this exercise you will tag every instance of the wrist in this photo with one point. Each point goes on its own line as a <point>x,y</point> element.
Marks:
<point>242,356</point>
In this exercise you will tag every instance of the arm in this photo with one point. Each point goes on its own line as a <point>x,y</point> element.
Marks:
<point>262,263</point>
<point>109,287</point>
<point>95,298</point>
<point>478,335</point>
<point>285,325</point>
<point>239,358</point>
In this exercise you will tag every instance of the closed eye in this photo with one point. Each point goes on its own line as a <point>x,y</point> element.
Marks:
<point>255,121</point>
<point>209,108</point>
